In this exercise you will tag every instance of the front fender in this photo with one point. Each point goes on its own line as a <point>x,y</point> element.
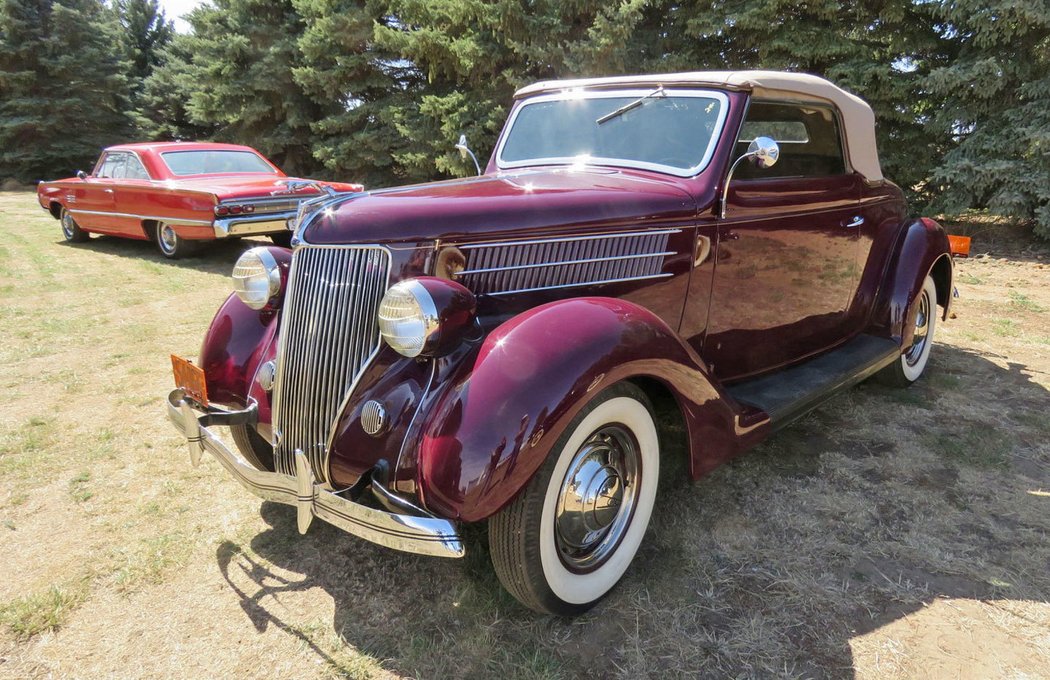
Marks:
<point>238,341</point>
<point>922,250</point>
<point>503,411</point>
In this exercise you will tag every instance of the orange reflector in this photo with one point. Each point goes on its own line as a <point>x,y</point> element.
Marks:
<point>191,379</point>
<point>959,245</point>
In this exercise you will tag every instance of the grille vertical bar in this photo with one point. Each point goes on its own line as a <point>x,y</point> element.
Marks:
<point>329,333</point>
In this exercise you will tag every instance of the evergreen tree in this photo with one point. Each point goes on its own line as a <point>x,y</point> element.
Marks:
<point>996,96</point>
<point>162,110</point>
<point>63,87</point>
<point>474,54</point>
<point>146,31</point>
<point>239,76</point>
<point>361,87</point>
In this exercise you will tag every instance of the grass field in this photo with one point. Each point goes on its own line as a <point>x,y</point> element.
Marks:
<point>891,534</point>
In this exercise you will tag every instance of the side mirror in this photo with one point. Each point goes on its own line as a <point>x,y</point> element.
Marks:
<point>81,174</point>
<point>764,152</point>
<point>464,152</point>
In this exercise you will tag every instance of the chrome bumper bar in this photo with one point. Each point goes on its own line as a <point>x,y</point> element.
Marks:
<point>273,223</point>
<point>410,533</point>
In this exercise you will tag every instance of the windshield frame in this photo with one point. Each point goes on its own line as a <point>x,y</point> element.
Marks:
<point>569,94</point>
<point>273,170</point>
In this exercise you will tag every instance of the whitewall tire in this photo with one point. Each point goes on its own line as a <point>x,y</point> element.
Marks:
<point>914,358</point>
<point>566,541</point>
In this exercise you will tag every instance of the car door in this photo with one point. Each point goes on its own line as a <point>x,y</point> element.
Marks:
<point>95,203</point>
<point>132,193</point>
<point>785,268</point>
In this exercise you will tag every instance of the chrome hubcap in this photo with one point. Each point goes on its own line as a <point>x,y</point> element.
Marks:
<point>168,238</point>
<point>922,331</point>
<point>67,225</point>
<point>597,498</point>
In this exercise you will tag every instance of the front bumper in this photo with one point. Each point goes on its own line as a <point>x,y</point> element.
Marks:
<point>410,533</point>
<point>252,225</point>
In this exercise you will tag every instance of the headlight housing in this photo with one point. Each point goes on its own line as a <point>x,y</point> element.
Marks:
<point>425,316</point>
<point>256,277</point>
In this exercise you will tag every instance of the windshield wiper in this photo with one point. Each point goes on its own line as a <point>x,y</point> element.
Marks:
<point>627,107</point>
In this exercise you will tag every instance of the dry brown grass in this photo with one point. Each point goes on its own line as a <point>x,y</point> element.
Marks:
<point>889,534</point>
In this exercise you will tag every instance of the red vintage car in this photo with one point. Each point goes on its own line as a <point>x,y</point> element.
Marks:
<point>720,249</point>
<point>180,194</point>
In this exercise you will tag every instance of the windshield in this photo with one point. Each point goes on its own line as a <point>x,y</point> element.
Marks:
<point>671,131</point>
<point>212,162</point>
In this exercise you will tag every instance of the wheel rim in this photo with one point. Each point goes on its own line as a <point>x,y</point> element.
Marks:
<point>68,225</point>
<point>597,499</point>
<point>167,238</point>
<point>922,331</point>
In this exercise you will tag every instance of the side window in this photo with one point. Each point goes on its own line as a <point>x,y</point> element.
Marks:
<point>133,169</point>
<point>809,139</point>
<point>106,165</point>
<point>112,166</point>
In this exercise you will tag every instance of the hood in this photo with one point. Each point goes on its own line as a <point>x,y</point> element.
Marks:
<point>234,187</point>
<point>498,205</point>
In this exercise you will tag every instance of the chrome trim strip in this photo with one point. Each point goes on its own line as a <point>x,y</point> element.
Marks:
<point>565,262</point>
<point>529,242</point>
<point>421,535</point>
<point>166,220</point>
<point>598,282</point>
<point>709,152</point>
<point>268,223</point>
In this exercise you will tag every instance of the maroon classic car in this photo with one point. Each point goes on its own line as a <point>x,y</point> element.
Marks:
<point>180,194</point>
<point>716,249</point>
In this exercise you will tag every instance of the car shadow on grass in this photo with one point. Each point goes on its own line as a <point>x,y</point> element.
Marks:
<point>214,257</point>
<point>783,562</point>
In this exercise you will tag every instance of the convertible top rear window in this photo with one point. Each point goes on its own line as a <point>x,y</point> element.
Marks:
<point>209,162</point>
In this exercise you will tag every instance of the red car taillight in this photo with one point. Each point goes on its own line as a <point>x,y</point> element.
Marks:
<point>223,210</point>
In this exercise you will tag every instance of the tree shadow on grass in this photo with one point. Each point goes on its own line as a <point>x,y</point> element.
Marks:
<point>863,513</point>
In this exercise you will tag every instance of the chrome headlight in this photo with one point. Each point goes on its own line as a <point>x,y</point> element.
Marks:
<point>256,277</point>
<point>425,316</point>
<point>407,317</point>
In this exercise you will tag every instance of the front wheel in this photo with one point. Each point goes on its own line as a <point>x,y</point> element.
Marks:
<point>913,359</point>
<point>170,244</point>
<point>570,536</point>
<point>70,229</point>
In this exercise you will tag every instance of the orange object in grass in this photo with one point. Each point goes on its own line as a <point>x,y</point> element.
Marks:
<point>959,245</point>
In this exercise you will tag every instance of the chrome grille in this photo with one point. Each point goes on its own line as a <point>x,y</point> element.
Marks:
<point>328,335</point>
<point>539,264</point>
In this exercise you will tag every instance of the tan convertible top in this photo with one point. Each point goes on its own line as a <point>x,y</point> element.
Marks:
<point>857,117</point>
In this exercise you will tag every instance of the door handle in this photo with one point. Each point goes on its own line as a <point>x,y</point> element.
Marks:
<point>108,191</point>
<point>855,222</point>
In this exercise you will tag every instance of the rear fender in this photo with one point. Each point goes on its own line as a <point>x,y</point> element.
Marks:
<point>922,251</point>
<point>502,411</point>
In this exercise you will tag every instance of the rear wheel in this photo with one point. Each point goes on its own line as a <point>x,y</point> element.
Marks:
<point>170,244</point>
<point>913,359</point>
<point>569,537</point>
<point>70,229</point>
<point>256,450</point>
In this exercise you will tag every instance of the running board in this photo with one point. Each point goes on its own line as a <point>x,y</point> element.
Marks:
<point>790,393</point>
